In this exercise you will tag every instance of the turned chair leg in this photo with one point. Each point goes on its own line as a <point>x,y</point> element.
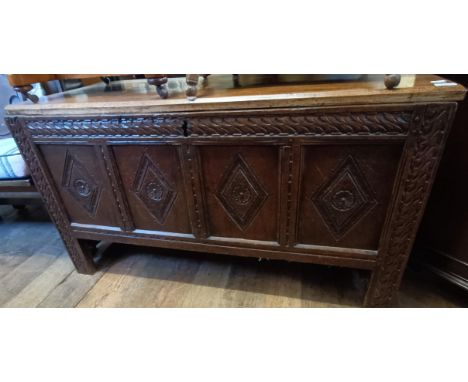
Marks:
<point>161,85</point>
<point>106,80</point>
<point>24,91</point>
<point>392,80</point>
<point>236,80</point>
<point>192,82</point>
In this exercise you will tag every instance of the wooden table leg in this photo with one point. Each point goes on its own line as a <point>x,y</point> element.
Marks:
<point>236,80</point>
<point>192,82</point>
<point>160,81</point>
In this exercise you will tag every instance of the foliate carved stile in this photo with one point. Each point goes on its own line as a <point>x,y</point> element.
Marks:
<point>393,123</point>
<point>115,181</point>
<point>286,174</point>
<point>290,157</point>
<point>190,165</point>
<point>424,148</point>
<point>82,261</point>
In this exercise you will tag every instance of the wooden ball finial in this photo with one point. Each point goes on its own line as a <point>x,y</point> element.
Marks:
<point>392,80</point>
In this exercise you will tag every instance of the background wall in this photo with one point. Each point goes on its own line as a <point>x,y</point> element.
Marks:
<point>6,92</point>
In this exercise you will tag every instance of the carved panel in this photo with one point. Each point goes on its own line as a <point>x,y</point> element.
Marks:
<point>80,184</point>
<point>314,124</point>
<point>153,185</point>
<point>344,193</point>
<point>419,164</point>
<point>153,189</point>
<point>344,198</point>
<point>240,193</point>
<point>119,126</point>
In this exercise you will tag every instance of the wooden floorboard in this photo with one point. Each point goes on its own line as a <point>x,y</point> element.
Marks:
<point>35,271</point>
<point>17,244</point>
<point>40,287</point>
<point>70,291</point>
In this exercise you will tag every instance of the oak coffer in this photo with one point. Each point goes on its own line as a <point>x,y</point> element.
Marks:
<point>335,174</point>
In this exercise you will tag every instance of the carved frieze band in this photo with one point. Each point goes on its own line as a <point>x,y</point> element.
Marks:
<point>348,123</point>
<point>363,123</point>
<point>424,149</point>
<point>122,126</point>
<point>45,189</point>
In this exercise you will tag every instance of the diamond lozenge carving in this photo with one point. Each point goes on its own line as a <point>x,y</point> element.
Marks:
<point>154,189</point>
<point>80,184</point>
<point>240,193</point>
<point>345,198</point>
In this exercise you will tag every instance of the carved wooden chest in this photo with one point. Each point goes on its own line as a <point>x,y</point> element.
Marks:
<point>335,174</point>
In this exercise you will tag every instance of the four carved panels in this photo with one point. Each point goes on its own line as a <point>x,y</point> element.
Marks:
<point>343,189</point>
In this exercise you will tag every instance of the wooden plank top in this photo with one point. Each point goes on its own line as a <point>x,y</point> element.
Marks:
<point>219,93</point>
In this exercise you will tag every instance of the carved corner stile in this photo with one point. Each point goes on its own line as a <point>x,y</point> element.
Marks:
<point>418,166</point>
<point>80,255</point>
